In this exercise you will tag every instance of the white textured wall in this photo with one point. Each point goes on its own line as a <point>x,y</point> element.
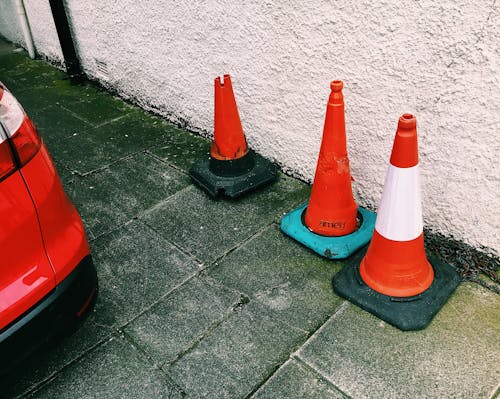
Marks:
<point>438,60</point>
<point>43,29</point>
<point>9,25</point>
<point>41,23</point>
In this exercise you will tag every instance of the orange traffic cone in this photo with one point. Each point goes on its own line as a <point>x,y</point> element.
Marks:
<point>229,141</point>
<point>395,264</point>
<point>328,224</point>
<point>233,169</point>
<point>331,210</point>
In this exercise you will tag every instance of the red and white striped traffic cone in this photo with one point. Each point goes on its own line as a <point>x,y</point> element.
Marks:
<point>395,280</point>
<point>395,263</point>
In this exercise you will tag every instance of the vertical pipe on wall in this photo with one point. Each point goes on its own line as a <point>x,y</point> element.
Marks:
<point>66,40</point>
<point>25,28</point>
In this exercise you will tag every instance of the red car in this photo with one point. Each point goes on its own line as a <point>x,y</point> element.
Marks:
<point>48,282</point>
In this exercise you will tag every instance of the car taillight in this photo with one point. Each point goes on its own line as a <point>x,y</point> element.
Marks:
<point>7,165</point>
<point>26,141</point>
<point>22,133</point>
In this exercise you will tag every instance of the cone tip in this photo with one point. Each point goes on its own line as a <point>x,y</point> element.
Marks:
<point>407,121</point>
<point>336,85</point>
<point>405,148</point>
<point>221,79</point>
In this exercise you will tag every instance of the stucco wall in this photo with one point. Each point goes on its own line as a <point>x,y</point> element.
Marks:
<point>43,30</point>
<point>438,60</point>
<point>9,24</point>
<point>41,23</point>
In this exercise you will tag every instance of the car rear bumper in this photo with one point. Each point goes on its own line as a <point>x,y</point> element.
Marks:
<point>55,315</point>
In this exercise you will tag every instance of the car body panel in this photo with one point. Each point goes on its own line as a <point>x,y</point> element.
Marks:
<point>54,316</point>
<point>26,275</point>
<point>61,226</point>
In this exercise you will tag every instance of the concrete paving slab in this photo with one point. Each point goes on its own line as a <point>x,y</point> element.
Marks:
<point>208,228</point>
<point>5,47</point>
<point>294,380</point>
<point>97,106</point>
<point>93,149</point>
<point>66,176</point>
<point>182,319</point>
<point>181,149</point>
<point>284,276</point>
<point>136,130</point>
<point>114,370</point>
<point>115,195</point>
<point>49,92</point>
<point>55,124</point>
<point>455,357</point>
<point>238,356</point>
<point>48,362</point>
<point>21,74</point>
<point>11,59</point>
<point>136,268</point>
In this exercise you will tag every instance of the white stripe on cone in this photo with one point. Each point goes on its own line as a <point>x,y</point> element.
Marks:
<point>399,217</point>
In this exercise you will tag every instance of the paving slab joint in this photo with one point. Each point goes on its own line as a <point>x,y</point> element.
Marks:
<point>337,313</point>
<point>321,376</point>
<point>235,308</point>
<point>215,262</point>
<point>294,355</point>
<point>150,360</point>
<point>162,160</point>
<point>38,386</point>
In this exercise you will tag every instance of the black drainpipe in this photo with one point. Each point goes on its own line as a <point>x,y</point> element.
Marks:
<point>71,60</point>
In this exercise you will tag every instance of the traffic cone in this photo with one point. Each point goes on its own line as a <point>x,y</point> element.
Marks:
<point>394,279</point>
<point>229,141</point>
<point>331,224</point>
<point>232,169</point>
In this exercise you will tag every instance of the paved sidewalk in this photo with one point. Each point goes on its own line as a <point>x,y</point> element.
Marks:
<point>207,299</point>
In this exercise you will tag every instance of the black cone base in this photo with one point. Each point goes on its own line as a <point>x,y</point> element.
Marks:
<point>413,313</point>
<point>233,178</point>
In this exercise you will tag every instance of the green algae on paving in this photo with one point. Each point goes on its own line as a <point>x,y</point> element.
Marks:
<point>96,148</point>
<point>136,268</point>
<point>111,197</point>
<point>456,356</point>
<point>114,370</point>
<point>97,106</point>
<point>66,176</point>
<point>283,276</point>
<point>55,124</point>
<point>22,74</point>
<point>182,318</point>
<point>208,228</point>
<point>294,380</point>
<point>58,92</point>
<point>135,131</point>
<point>238,356</point>
<point>181,149</point>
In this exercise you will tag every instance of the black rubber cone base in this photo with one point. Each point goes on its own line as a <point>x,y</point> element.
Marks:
<point>412,313</point>
<point>233,178</point>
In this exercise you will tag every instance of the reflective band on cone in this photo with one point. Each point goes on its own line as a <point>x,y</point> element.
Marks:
<point>400,203</point>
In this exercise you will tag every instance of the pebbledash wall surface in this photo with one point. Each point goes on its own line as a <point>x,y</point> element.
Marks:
<point>438,60</point>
